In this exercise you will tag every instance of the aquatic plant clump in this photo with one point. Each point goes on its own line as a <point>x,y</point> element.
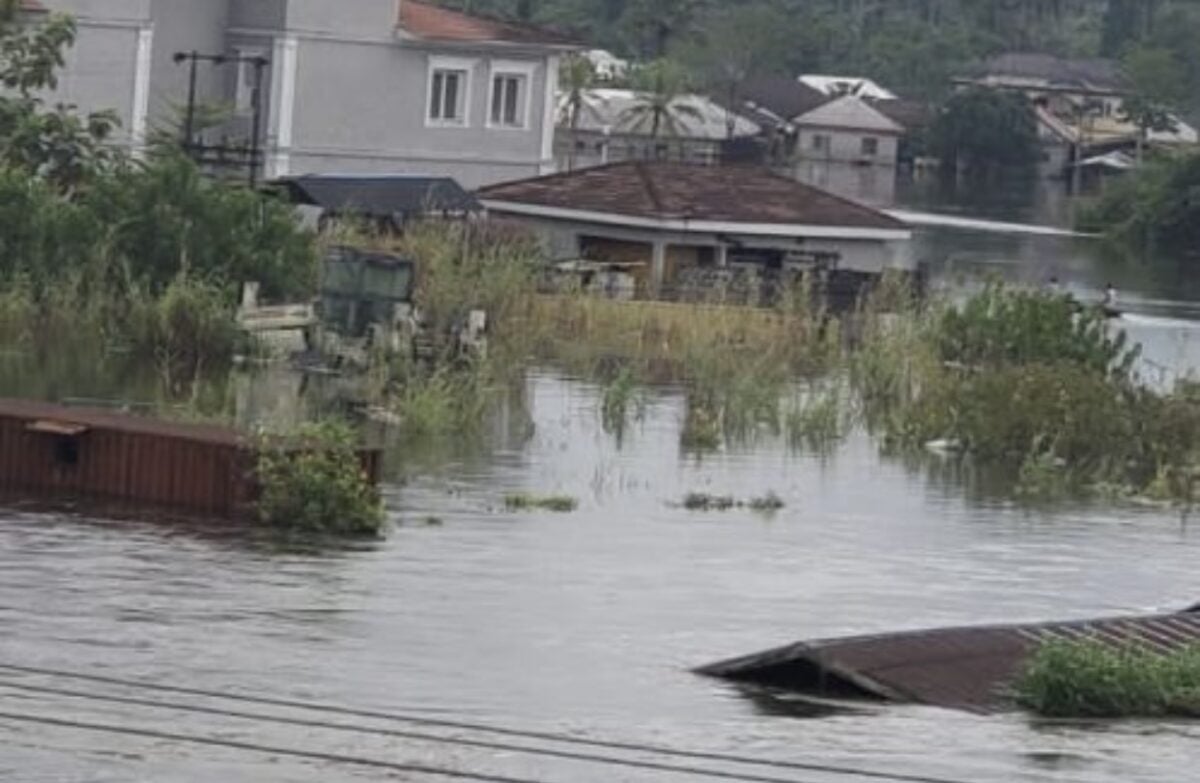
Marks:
<point>314,482</point>
<point>524,501</point>
<point>702,501</point>
<point>1090,679</point>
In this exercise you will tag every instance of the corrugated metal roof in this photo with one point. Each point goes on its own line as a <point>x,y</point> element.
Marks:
<point>64,416</point>
<point>962,668</point>
<point>380,195</point>
<point>850,113</point>
<point>616,111</point>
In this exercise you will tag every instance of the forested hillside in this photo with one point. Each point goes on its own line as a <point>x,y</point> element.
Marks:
<point>911,45</point>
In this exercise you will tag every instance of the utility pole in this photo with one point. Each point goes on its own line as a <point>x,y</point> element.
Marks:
<point>225,154</point>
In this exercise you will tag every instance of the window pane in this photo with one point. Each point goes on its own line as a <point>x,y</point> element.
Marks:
<point>510,101</point>
<point>497,99</point>
<point>435,96</point>
<point>450,109</point>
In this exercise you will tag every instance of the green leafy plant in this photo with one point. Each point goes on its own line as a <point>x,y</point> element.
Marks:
<point>313,482</point>
<point>1090,679</point>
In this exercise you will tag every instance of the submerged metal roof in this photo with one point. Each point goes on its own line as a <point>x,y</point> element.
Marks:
<point>46,416</point>
<point>962,668</point>
<point>382,195</point>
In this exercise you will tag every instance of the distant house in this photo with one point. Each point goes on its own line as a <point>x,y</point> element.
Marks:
<point>1078,104</point>
<point>848,130</point>
<point>610,127</point>
<point>606,65</point>
<point>1049,77</point>
<point>369,86</point>
<point>837,86</point>
<point>670,220</point>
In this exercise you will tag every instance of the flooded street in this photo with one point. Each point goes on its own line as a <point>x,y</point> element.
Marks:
<point>587,624</point>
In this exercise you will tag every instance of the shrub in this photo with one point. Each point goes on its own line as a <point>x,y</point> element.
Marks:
<point>1002,326</point>
<point>187,330</point>
<point>1089,679</point>
<point>314,483</point>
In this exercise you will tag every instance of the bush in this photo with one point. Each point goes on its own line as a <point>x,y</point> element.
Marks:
<point>1002,326</point>
<point>1152,209</point>
<point>1089,679</point>
<point>189,329</point>
<point>314,483</point>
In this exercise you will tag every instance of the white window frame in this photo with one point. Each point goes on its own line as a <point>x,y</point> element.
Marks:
<point>467,67</point>
<point>522,70</point>
<point>243,94</point>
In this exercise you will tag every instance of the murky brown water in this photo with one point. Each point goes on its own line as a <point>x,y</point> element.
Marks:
<point>588,623</point>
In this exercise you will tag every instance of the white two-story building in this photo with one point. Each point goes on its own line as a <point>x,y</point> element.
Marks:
<point>358,87</point>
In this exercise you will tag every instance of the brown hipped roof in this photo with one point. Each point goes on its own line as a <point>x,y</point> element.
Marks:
<point>676,191</point>
<point>434,23</point>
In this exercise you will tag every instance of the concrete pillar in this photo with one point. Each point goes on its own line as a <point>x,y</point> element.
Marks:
<point>722,255</point>
<point>658,266</point>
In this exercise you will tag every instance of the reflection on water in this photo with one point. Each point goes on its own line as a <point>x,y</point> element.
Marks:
<point>589,623</point>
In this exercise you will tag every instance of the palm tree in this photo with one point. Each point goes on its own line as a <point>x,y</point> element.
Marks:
<point>576,76</point>
<point>660,89</point>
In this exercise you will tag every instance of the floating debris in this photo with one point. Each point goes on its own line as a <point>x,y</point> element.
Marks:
<point>523,501</point>
<point>700,501</point>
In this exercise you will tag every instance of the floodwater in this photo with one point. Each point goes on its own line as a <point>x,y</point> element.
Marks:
<point>587,624</point>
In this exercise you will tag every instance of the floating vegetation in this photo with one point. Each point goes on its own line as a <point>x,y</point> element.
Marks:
<point>523,501</point>
<point>700,501</point>
<point>1090,679</point>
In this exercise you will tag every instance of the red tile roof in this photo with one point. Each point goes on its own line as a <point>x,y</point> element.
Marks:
<point>676,191</point>
<point>32,6</point>
<point>441,24</point>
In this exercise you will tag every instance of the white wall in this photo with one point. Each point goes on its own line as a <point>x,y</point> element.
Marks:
<point>846,146</point>
<point>364,107</point>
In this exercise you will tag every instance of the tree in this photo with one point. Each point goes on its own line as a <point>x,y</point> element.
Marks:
<point>576,76</point>
<point>1158,88</point>
<point>56,143</point>
<point>653,25</point>
<point>1155,209</point>
<point>660,87</point>
<point>734,43</point>
<point>983,129</point>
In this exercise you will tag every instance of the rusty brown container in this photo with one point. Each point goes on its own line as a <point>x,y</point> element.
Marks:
<point>54,452</point>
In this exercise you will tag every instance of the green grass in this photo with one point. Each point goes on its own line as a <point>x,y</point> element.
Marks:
<point>1089,679</point>
<point>524,501</point>
<point>622,397</point>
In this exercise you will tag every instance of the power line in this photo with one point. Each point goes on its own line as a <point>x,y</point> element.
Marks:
<point>411,735</point>
<point>480,728</point>
<point>192,739</point>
